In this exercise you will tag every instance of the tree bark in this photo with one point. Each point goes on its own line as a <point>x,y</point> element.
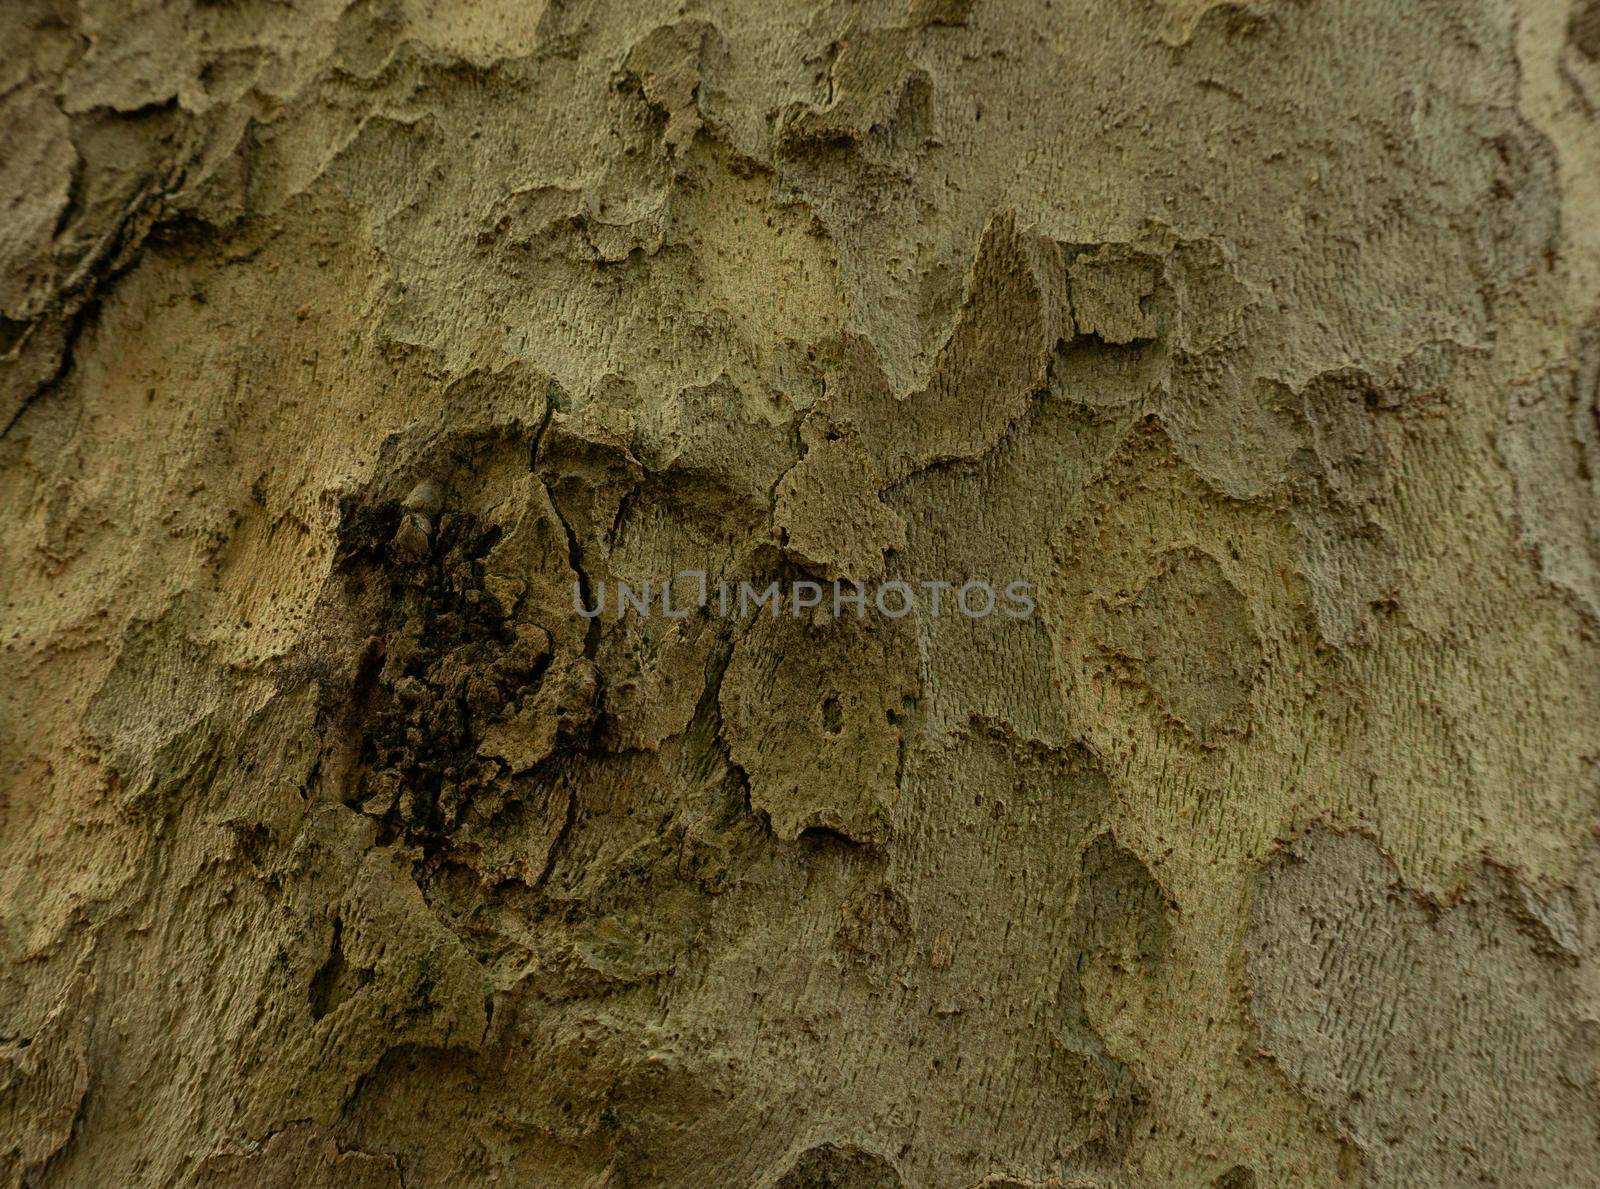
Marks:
<point>354,351</point>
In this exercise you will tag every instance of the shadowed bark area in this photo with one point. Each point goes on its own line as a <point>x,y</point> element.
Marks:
<point>351,353</point>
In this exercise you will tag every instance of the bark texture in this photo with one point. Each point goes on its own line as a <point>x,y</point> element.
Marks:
<point>341,340</point>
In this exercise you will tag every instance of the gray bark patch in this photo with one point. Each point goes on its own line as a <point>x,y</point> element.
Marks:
<point>1453,1046</point>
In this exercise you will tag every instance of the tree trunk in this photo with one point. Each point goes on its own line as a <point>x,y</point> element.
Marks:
<point>1126,708</point>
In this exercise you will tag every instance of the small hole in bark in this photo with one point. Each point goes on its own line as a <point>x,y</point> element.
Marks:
<point>832,719</point>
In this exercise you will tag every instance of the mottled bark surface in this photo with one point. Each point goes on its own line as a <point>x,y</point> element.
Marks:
<point>340,341</point>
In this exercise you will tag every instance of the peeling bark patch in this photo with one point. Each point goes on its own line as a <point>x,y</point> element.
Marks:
<point>1581,63</point>
<point>861,439</point>
<point>44,1079</point>
<point>1123,917</point>
<point>1451,1045</point>
<point>1189,634</point>
<point>1112,287</point>
<point>153,715</point>
<point>839,1166</point>
<point>876,93</point>
<point>875,933</point>
<point>1144,312</point>
<point>299,1155</point>
<point>1121,928</point>
<point>1237,1177</point>
<point>811,713</point>
<point>1551,443</point>
<point>1583,29</point>
<point>666,67</point>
